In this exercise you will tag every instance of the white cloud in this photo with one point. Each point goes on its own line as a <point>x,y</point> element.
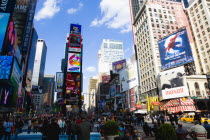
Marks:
<point>74,10</point>
<point>91,69</point>
<point>49,9</point>
<point>116,15</point>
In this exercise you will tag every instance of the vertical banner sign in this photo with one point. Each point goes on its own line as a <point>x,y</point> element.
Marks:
<point>7,6</point>
<point>4,19</point>
<point>59,81</point>
<point>29,25</point>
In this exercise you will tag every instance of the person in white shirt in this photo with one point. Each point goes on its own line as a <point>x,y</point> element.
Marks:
<point>197,131</point>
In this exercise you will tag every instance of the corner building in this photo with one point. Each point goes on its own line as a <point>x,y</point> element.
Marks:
<point>156,19</point>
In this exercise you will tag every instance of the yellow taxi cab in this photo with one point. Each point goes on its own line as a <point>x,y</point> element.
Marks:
<point>190,118</point>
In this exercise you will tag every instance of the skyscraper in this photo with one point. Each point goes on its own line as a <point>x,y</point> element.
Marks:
<point>155,20</point>
<point>199,15</point>
<point>39,64</point>
<point>49,90</point>
<point>110,51</point>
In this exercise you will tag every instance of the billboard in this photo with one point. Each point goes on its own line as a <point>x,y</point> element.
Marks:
<point>5,69</point>
<point>16,76</point>
<point>4,19</point>
<point>7,6</point>
<point>173,83</point>
<point>175,50</point>
<point>123,77</point>
<point>6,96</point>
<point>75,29</point>
<point>73,83</point>
<point>133,80</point>
<point>59,82</point>
<point>74,62</point>
<point>105,79</point>
<point>119,65</point>
<point>75,43</point>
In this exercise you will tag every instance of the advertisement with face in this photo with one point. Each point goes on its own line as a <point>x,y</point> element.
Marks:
<point>105,79</point>
<point>59,81</point>
<point>75,29</point>
<point>75,43</point>
<point>74,62</point>
<point>119,65</point>
<point>4,19</point>
<point>73,83</point>
<point>6,65</point>
<point>175,50</point>
<point>173,83</point>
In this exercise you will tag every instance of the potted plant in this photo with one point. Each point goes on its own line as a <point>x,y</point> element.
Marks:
<point>166,132</point>
<point>111,129</point>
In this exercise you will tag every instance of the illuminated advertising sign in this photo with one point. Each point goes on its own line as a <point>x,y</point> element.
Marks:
<point>132,100</point>
<point>59,95</point>
<point>75,29</point>
<point>5,69</point>
<point>119,65</point>
<point>173,83</point>
<point>74,62</point>
<point>6,96</point>
<point>105,79</point>
<point>123,77</point>
<point>59,82</point>
<point>16,76</point>
<point>4,19</point>
<point>175,50</point>
<point>7,6</point>
<point>75,43</point>
<point>73,83</point>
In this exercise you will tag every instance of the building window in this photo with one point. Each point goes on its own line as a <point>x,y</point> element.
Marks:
<point>197,89</point>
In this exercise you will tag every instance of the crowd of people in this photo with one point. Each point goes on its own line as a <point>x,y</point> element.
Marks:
<point>81,126</point>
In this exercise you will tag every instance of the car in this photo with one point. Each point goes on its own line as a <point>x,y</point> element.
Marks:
<point>190,118</point>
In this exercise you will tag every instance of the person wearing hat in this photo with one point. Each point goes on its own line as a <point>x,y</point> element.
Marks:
<point>197,131</point>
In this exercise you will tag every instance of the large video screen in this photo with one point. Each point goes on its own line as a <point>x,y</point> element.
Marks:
<point>74,62</point>
<point>5,69</point>
<point>73,83</point>
<point>173,83</point>
<point>4,19</point>
<point>75,43</point>
<point>175,50</point>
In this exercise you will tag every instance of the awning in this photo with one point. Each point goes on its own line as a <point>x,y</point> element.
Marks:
<point>141,111</point>
<point>181,108</point>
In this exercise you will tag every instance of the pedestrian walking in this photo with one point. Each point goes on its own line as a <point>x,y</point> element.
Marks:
<point>53,130</point>
<point>176,119</point>
<point>207,127</point>
<point>62,124</point>
<point>197,131</point>
<point>29,126</point>
<point>18,127</point>
<point>43,129</point>
<point>84,130</point>
<point>35,125</point>
<point>181,132</point>
<point>7,126</point>
<point>171,118</point>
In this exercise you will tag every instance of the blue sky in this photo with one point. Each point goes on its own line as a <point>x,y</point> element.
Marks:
<point>100,19</point>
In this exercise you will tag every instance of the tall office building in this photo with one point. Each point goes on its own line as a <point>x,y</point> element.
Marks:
<point>38,74</point>
<point>39,64</point>
<point>155,20</point>
<point>199,15</point>
<point>110,51</point>
<point>31,60</point>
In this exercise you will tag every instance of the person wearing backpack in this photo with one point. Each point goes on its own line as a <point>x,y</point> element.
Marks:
<point>7,126</point>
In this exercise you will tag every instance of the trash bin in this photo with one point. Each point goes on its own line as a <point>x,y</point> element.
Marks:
<point>95,136</point>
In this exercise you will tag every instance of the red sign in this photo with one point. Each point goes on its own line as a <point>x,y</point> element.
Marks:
<point>105,79</point>
<point>156,103</point>
<point>73,83</point>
